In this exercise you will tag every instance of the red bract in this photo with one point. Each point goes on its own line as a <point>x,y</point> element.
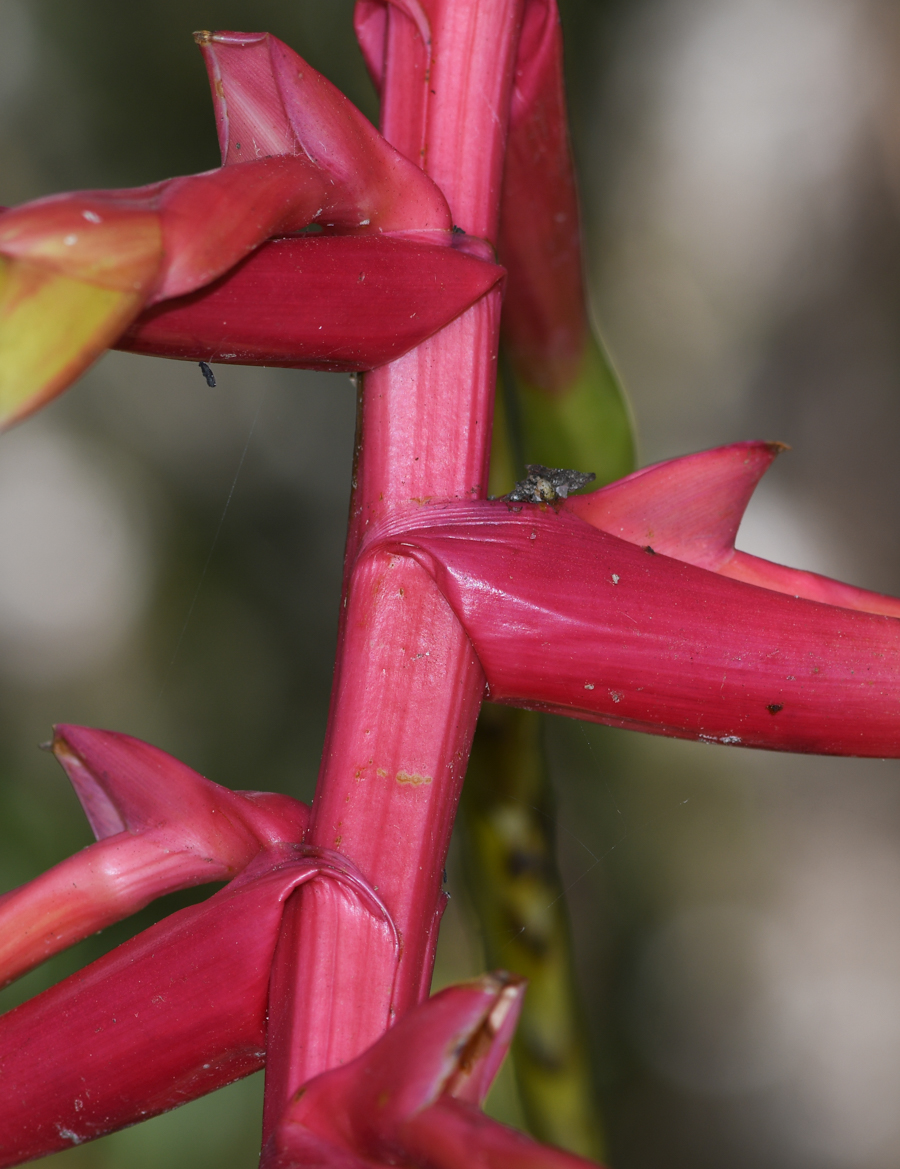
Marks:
<point>321,302</point>
<point>269,101</point>
<point>690,508</point>
<point>76,269</point>
<point>414,1097</point>
<point>567,618</point>
<point>160,827</point>
<point>628,618</point>
<point>545,325</point>
<point>177,1012</point>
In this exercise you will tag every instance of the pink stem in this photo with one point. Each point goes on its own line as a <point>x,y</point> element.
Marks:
<point>408,685</point>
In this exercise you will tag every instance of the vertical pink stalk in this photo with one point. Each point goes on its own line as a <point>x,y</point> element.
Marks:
<point>408,685</point>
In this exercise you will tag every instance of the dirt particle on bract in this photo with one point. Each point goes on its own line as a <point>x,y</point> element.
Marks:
<point>412,778</point>
<point>547,484</point>
<point>775,707</point>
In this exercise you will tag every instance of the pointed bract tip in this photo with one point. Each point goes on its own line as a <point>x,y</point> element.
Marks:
<point>203,36</point>
<point>777,447</point>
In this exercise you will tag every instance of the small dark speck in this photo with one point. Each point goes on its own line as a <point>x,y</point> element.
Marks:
<point>458,230</point>
<point>207,373</point>
<point>444,877</point>
<point>775,707</point>
<point>647,548</point>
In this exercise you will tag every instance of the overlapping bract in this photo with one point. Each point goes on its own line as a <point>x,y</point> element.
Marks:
<point>269,101</point>
<point>631,624</point>
<point>176,1012</point>
<point>320,302</point>
<point>77,269</point>
<point>652,636</point>
<point>184,1007</point>
<point>414,1097</point>
<point>159,827</point>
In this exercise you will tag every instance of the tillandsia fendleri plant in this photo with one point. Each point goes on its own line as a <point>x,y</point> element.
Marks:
<point>628,605</point>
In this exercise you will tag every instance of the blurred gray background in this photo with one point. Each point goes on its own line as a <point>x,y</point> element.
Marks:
<point>737,913</point>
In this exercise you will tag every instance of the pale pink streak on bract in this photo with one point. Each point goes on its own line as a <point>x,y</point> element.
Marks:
<point>159,826</point>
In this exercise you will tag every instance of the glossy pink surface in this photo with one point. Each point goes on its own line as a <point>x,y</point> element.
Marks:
<point>177,1012</point>
<point>413,1098</point>
<point>564,617</point>
<point>318,302</point>
<point>159,826</point>
<point>690,508</point>
<point>269,101</point>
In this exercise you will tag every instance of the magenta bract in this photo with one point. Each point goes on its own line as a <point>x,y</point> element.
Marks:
<point>567,618</point>
<point>177,1012</point>
<point>690,508</point>
<point>318,302</point>
<point>125,784</point>
<point>269,101</point>
<point>159,826</point>
<point>412,1098</point>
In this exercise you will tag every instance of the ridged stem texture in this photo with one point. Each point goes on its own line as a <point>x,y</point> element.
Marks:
<point>408,685</point>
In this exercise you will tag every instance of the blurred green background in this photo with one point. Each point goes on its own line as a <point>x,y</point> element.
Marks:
<point>735,912</point>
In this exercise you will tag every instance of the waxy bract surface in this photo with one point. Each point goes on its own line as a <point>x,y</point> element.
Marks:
<point>176,1012</point>
<point>414,1097</point>
<point>564,617</point>
<point>320,302</point>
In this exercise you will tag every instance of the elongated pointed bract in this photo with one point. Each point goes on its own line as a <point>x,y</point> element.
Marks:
<point>176,1012</point>
<point>126,784</point>
<point>690,508</point>
<point>318,302</point>
<point>268,100</point>
<point>572,619</point>
<point>159,826</point>
<point>413,1097</point>
<point>77,269</point>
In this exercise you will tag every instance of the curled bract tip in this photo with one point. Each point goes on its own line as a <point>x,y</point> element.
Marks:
<point>413,1097</point>
<point>77,269</point>
<point>159,827</point>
